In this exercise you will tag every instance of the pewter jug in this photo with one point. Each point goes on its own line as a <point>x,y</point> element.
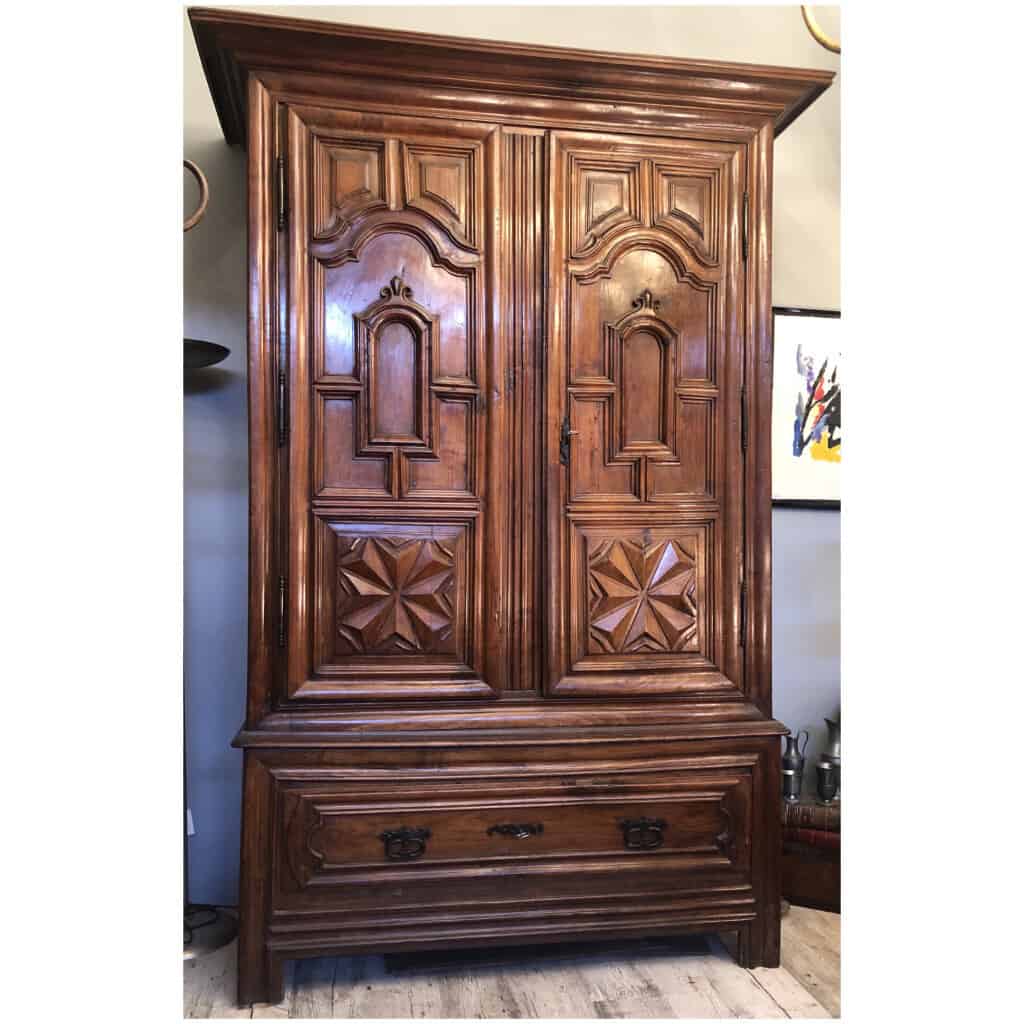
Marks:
<point>793,767</point>
<point>831,751</point>
<point>793,755</point>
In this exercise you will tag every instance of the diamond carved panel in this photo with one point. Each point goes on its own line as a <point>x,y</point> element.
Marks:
<point>643,597</point>
<point>395,595</point>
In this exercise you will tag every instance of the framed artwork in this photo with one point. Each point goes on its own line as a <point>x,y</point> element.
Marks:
<point>806,427</point>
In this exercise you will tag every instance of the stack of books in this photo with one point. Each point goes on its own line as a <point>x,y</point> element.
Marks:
<point>812,823</point>
<point>810,853</point>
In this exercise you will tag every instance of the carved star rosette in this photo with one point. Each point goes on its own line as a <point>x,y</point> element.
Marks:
<point>395,596</point>
<point>643,598</point>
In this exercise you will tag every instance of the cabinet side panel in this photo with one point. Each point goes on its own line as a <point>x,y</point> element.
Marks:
<point>261,402</point>
<point>758,512</point>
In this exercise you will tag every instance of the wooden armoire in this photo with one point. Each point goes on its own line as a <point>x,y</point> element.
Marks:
<point>509,397</point>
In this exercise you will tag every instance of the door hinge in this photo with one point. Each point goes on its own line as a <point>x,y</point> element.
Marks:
<point>282,409</point>
<point>743,419</point>
<point>282,611</point>
<point>563,441</point>
<point>746,214</point>
<point>282,195</point>
<point>743,614</point>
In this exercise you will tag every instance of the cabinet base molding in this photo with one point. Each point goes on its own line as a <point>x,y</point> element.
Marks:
<point>366,850</point>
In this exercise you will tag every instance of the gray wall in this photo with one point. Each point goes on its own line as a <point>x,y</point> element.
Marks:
<point>806,273</point>
<point>805,623</point>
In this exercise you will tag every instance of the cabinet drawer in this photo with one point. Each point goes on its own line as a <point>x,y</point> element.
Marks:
<point>380,836</point>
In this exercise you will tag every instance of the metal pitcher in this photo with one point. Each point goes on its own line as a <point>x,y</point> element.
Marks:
<point>793,766</point>
<point>793,755</point>
<point>831,751</point>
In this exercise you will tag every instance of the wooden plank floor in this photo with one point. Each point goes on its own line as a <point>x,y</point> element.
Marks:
<point>677,978</point>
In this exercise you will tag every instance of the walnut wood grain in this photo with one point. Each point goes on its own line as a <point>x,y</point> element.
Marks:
<point>469,261</point>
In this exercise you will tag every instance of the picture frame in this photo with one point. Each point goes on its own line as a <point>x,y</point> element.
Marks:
<point>806,433</point>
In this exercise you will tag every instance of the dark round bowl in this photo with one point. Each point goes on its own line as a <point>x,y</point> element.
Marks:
<point>203,353</point>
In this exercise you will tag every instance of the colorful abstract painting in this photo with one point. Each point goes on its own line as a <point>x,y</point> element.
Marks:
<point>806,422</point>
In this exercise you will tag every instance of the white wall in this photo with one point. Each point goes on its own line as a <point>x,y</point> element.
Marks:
<point>806,247</point>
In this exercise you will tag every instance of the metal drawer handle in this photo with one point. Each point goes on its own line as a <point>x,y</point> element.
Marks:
<point>643,833</point>
<point>405,843</point>
<point>516,831</point>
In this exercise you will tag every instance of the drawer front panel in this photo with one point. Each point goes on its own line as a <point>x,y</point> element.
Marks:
<point>391,840</point>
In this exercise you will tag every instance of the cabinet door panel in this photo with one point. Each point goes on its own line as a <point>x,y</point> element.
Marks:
<point>392,493</point>
<point>644,379</point>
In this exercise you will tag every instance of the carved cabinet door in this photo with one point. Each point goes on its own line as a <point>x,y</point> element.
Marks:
<point>645,373</point>
<point>390,494</point>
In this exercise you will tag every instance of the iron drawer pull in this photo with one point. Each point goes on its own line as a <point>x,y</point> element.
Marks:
<point>405,843</point>
<point>643,833</point>
<point>516,831</point>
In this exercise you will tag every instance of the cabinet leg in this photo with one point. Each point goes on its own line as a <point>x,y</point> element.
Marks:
<point>260,975</point>
<point>743,948</point>
<point>771,938</point>
<point>758,944</point>
<point>260,980</point>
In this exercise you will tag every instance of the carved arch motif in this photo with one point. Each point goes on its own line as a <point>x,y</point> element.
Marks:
<point>347,244</point>
<point>395,413</point>
<point>686,261</point>
<point>641,326</point>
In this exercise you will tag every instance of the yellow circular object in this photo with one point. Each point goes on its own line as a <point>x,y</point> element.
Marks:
<point>204,195</point>
<point>816,30</point>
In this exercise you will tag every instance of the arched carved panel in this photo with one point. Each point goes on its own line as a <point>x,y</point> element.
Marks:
<point>602,292</point>
<point>643,357</point>
<point>395,341</point>
<point>638,409</point>
<point>415,428</point>
<point>396,377</point>
<point>350,280</point>
<point>642,348</point>
<point>402,354</point>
